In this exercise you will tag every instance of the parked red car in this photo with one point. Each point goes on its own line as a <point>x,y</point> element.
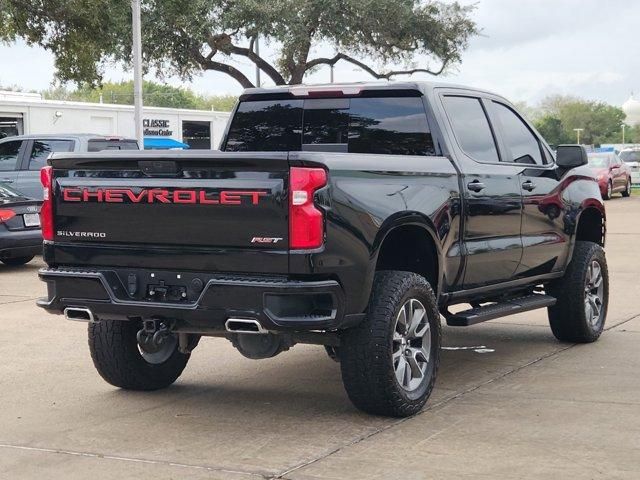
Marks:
<point>613,175</point>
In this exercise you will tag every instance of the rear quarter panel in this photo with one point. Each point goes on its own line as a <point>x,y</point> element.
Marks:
<point>369,195</point>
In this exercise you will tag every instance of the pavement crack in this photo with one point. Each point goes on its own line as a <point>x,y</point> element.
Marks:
<point>622,322</point>
<point>441,403</point>
<point>132,460</point>
<point>30,299</point>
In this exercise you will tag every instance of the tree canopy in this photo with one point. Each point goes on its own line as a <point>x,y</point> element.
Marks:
<point>155,95</point>
<point>186,38</point>
<point>558,116</point>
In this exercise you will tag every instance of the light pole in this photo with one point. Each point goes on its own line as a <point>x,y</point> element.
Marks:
<point>578,130</point>
<point>137,71</point>
<point>257,50</point>
<point>623,127</point>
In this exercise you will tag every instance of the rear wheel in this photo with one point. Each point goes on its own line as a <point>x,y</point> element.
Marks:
<point>627,190</point>
<point>583,296</point>
<point>16,261</point>
<point>123,362</point>
<point>390,361</point>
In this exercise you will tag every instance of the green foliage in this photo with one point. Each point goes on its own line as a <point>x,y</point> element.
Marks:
<point>552,130</point>
<point>155,95</point>
<point>631,135</point>
<point>185,38</point>
<point>560,115</point>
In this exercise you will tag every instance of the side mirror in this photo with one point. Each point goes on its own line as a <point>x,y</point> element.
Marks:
<point>571,156</point>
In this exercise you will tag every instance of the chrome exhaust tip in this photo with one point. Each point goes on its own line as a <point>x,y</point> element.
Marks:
<point>79,314</point>
<point>244,325</point>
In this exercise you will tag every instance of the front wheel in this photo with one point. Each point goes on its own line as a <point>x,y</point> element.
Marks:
<point>124,363</point>
<point>627,189</point>
<point>390,361</point>
<point>583,296</point>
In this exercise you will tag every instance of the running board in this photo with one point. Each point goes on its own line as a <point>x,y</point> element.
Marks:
<point>497,310</point>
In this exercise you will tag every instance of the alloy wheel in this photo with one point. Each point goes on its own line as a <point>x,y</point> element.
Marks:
<point>594,293</point>
<point>411,345</point>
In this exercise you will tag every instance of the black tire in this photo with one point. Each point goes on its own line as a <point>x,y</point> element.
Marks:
<point>17,261</point>
<point>116,356</point>
<point>368,369</point>
<point>333,353</point>
<point>627,190</point>
<point>609,192</point>
<point>568,318</point>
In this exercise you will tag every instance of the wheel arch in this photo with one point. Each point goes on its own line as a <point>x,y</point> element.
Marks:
<point>409,243</point>
<point>591,225</point>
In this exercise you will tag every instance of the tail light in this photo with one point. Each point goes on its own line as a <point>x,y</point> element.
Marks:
<point>6,215</point>
<point>46,211</point>
<point>306,221</point>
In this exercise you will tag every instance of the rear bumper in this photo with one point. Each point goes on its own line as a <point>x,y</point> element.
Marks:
<point>21,243</point>
<point>197,299</point>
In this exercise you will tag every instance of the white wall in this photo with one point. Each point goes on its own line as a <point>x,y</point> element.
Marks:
<point>46,117</point>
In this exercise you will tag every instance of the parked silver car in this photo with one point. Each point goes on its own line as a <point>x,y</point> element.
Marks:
<point>631,156</point>
<point>22,157</point>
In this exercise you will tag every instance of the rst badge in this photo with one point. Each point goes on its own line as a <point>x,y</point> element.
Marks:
<point>270,240</point>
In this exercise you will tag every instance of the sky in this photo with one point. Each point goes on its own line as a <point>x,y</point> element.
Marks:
<point>528,49</point>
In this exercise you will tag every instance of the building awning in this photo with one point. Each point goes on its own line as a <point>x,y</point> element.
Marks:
<point>162,143</point>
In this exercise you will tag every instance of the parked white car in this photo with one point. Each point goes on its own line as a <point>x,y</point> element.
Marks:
<point>631,156</point>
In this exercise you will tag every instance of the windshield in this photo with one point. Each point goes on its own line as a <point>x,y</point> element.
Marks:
<point>599,161</point>
<point>630,156</point>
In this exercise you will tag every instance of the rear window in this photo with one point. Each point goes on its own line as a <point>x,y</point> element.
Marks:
<point>382,125</point>
<point>630,156</point>
<point>600,161</point>
<point>98,145</point>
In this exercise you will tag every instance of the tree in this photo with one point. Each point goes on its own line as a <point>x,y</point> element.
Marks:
<point>186,38</point>
<point>552,130</point>
<point>601,123</point>
<point>155,95</point>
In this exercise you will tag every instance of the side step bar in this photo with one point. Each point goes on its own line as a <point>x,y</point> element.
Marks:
<point>497,310</point>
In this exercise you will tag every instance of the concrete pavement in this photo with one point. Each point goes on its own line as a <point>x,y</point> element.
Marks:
<point>519,405</point>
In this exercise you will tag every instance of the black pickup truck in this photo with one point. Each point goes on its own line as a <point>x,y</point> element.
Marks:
<point>349,216</point>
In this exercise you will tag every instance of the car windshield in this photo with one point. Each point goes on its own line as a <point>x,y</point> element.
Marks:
<point>630,156</point>
<point>599,161</point>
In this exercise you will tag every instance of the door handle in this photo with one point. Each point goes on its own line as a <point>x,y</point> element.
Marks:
<point>475,186</point>
<point>529,186</point>
<point>6,180</point>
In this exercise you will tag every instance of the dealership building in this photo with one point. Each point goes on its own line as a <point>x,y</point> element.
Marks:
<point>28,113</point>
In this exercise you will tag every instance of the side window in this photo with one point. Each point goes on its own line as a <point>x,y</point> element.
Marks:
<point>42,149</point>
<point>521,143</point>
<point>395,126</point>
<point>9,152</point>
<point>471,128</point>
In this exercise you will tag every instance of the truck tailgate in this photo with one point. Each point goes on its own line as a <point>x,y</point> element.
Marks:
<point>207,203</point>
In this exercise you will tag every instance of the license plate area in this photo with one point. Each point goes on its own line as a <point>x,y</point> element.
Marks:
<point>31,219</point>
